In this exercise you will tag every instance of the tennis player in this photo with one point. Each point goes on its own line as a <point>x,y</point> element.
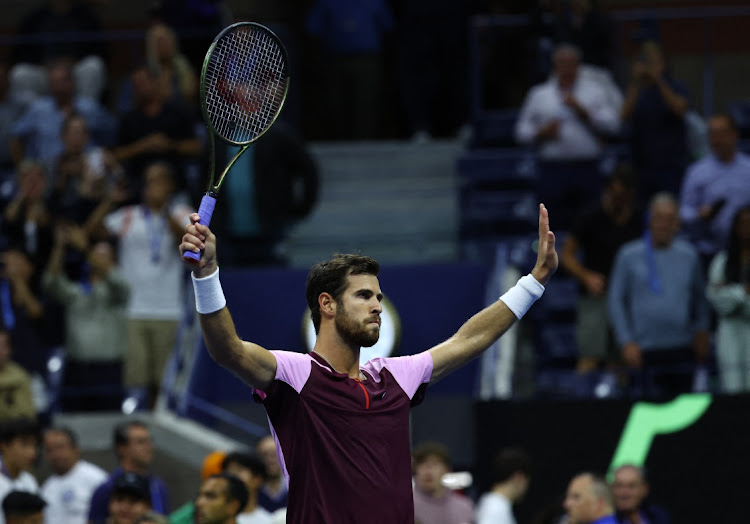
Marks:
<point>342,430</point>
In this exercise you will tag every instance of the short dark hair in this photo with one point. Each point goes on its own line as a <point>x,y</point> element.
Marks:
<point>21,427</point>
<point>509,461</point>
<point>236,490</point>
<point>121,433</point>
<point>246,460</point>
<point>22,504</point>
<point>331,277</point>
<point>431,449</point>
<point>65,430</point>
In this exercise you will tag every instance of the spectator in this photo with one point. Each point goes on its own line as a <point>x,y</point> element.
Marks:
<point>434,503</point>
<point>511,474</point>
<point>135,453</point>
<point>156,300</point>
<point>566,118</point>
<point>86,52</point>
<point>16,400</point>
<point>69,488</point>
<point>156,129</point>
<point>350,38</point>
<point>657,305</point>
<point>18,448</point>
<point>272,495</point>
<point>252,472</point>
<point>95,323</point>
<point>589,501</point>
<point>212,465</point>
<point>220,500</point>
<point>177,78</point>
<point>729,293</point>
<point>20,507</point>
<point>130,499</point>
<point>655,107</point>
<point>630,490</point>
<point>714,188</point>
<point>38,133</point>
<point>588,254</point>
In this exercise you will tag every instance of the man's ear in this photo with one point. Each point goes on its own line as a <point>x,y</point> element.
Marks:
<point>327,305</point>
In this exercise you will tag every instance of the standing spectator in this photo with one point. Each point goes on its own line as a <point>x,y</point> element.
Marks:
<point>177,79</point>
<point>589,501</point>
<point>630,490</point>
<point>20,507</point>
<point>18,448</point>
<point>350,37</point>
<point>566,118</point>
<point>511,474</point>
<point>220,500</point>
<point>252,472</point>
<point>135,453</point>
<point>657,305</point>
<point>16,400</point>
<point>38,133</point>
<point>130,499</point>
<point>434,503</point>
<point>273,494</point>
<point>729,293</point>
<point>655,107</point>
<point>149,229</point>
<point>588,254</point>
<point>68,490</point>
<point>155,130</point>
<point>714,188</point>
<point>95,322</point>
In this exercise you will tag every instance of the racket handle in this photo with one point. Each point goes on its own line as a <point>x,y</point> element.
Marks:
<point>206,210</point>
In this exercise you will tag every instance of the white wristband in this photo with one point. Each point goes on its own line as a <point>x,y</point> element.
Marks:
<point>209,297</point>
<point>522,296</point>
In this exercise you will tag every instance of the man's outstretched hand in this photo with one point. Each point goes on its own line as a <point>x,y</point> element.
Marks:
<point>199,239</point>
<point>546,259</point>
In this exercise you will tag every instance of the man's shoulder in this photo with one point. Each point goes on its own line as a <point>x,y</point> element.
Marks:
<point>633,248</point>
<point>701,169</point>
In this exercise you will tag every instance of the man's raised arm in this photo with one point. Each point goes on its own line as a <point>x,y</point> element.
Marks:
<point>484,328</point>
<point>251,362</point>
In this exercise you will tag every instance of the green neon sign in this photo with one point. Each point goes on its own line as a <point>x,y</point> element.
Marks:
<point>647,420</point>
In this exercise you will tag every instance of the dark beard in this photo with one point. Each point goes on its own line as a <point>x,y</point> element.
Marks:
<point>353,333</point>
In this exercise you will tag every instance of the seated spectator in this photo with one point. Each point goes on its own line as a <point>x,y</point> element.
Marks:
<point>434,503</point>
<point>212,465</point>
<point>220,500</point>
<point>589,501</point>
<point>20,507</point>
<point>73,480</point>
<point>88,55</point>
<point>655,107</point>
<point>252,472</point>
<point>630,491</point>
<point>155,130</point>
<point>588,254</point>
<point>511,475</point>
<point>714,188</point>
<point>130,499</point>
<point>273,494</point>
<point>150,229</point>
<point>135,453</point>
<point>95,322</point>
<point>16,400</point>
<point>657,305</point>
<point>18,448</point>
<point>566,118</point>
<point>38,133</point>
<point>729,293</point>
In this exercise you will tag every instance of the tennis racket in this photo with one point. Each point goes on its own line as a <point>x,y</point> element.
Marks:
<point>243,85</point>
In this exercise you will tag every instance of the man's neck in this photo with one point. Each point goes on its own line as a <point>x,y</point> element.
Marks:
<point>341,357</point>
<point>727,158</point>
<point>252,503</point>
<point>274,485</point>
<point>506,490</point>
<point>132,467</point>
<point>11,470</point>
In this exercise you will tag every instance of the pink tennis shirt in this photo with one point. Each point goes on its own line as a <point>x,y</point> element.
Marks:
<point>343,444</point>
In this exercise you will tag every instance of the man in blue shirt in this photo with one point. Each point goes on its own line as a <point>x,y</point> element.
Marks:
<point>589,501</point>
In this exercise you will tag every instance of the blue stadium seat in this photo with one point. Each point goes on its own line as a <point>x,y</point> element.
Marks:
<point>556,344</point>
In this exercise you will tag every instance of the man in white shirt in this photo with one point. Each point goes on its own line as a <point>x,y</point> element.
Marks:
<point>511,471</point>
<point>68,490</point>
<point>252,472</point>
<point>18,447</point>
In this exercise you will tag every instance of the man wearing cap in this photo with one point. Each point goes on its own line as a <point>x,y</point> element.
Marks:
<point>21,507</point>
<point>130,499</point>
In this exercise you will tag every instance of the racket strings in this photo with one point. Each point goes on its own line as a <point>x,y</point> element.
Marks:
<point>245,84</point>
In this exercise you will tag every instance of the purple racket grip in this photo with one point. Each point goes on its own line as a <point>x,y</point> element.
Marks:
<point>206,210</point>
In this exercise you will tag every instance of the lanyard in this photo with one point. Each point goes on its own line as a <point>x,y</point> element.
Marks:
<point>155,227</point>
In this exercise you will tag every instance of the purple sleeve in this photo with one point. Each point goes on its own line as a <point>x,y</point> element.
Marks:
<point>410,371</point>
<point>98,507</point>
<point>291,368</point>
